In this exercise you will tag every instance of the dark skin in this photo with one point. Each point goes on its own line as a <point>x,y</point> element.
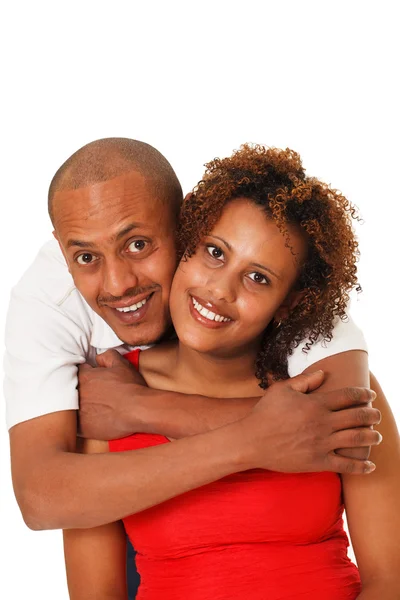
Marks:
<point>372,512</point>
<point>57,488</point>
<point>203,359</point>
<point>252,305</point>
<point>116,402</point>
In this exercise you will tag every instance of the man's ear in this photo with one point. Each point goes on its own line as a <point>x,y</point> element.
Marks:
<point>291,300</point>
<point>61,248</point>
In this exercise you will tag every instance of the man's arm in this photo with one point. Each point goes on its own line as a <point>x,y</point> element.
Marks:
<point>58,488</point>
<point>110,410</point>
<point>115,402</point>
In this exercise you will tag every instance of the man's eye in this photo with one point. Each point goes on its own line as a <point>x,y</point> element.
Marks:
<point>86,259</point>
<point>215,251</point>
<point>259,278</point>
<point>137,246</point>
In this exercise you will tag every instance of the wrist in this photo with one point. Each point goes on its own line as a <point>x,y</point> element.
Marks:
<point>133,414</point>
<point>149,411</point>
<point>244,447</point>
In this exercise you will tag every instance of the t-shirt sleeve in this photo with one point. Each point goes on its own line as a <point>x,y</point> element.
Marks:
<point>43,348</point>
<point>346,336</point>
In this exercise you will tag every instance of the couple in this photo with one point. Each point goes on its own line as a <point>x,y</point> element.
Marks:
<point>239,304</point>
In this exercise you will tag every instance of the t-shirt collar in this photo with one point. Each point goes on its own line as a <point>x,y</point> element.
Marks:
<point>103,337</point>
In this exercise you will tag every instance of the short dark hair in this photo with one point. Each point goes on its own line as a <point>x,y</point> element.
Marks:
<point>107,158</point>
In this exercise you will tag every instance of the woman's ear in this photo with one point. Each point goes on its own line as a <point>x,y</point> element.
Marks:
<point>291,300</point>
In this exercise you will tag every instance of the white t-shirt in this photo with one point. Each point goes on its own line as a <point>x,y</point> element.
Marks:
<point>51,329</point>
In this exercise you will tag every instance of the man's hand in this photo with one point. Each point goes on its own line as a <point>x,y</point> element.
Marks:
<point>290,432</point>
<point>105,395</point>
<point>306,431</point>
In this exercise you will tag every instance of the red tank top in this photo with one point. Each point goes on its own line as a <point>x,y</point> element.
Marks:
<point>257,535</point>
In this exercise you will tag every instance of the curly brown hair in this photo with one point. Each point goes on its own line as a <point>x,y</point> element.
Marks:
<point>275,180</point>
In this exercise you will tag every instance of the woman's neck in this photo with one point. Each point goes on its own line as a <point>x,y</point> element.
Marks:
<point>216,376</point>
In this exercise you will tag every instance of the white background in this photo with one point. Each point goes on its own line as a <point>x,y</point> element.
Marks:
<point>197,79</point>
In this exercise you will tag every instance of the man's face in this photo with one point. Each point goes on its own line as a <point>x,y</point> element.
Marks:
<point>118,241</point>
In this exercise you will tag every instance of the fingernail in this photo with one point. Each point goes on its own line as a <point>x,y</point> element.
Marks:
<point>380,437</point>
<point>372,394</point>
<point>369,466</point>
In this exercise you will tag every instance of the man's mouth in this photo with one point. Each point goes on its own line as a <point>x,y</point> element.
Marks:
<point>133,307</point>
<point>132,313</point>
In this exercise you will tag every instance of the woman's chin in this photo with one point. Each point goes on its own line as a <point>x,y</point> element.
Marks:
<point>194,341</point>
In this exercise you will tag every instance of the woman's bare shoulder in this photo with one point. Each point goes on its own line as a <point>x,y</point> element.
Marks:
<point>158,360</point>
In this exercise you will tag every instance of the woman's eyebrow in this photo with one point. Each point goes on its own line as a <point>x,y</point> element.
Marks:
<point>216,237</point>
<point>263,267</point>
<point>257,265</point>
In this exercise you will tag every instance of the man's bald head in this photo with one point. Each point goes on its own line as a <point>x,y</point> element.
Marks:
<point>108,158</point>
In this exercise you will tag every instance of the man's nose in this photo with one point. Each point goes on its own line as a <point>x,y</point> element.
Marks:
<point>119,276</point>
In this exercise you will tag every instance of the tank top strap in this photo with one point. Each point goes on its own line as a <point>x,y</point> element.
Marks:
<point>133,357</point>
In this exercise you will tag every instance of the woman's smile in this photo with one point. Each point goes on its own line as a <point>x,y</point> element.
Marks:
<point>207,314</point>
<point>235,284</point>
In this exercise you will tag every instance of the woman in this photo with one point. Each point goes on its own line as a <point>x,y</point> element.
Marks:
<point>268,258</point>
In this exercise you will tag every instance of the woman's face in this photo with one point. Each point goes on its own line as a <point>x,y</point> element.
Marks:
<point>240,278</point>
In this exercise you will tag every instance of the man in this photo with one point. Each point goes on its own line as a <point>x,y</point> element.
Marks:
<point>114,206</point>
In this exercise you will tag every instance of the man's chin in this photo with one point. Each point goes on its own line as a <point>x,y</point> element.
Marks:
<point>143,335</point>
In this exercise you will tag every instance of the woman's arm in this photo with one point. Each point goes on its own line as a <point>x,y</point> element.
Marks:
<point>95,559</point>
<point>373,512</point>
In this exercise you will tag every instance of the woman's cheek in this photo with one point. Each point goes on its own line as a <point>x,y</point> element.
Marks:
<point>191,273</point>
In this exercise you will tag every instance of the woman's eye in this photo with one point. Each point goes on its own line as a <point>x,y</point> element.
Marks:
<point>137,246</point>
<point>258,278</point>
<point>215,252</point>
<point>86,259</point>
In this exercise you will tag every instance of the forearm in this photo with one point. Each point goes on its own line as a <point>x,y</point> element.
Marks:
<point>95,561</point>
<point>68,490</point>
<point>178,415</point>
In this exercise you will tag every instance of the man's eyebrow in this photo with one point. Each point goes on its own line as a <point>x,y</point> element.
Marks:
<point>114,238</point>
<point>80,244</point>
<point>124,231</point>
<point>257,265</point>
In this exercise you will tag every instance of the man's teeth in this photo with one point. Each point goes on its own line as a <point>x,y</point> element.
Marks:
<point>133,307</point>
<point>208,314</point>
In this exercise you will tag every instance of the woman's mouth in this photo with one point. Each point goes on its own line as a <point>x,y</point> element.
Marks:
<point>205,316</point>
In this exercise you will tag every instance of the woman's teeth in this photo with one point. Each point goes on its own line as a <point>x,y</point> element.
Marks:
<point>133,307</point>
<point>208,314</point>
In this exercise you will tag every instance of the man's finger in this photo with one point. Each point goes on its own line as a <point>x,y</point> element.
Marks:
<point>355,438</point>
<point>307,382</point>
<point>84,368</point>
<point>348,397</point>
<point>360,416</point>
<point>110,358</point>
<point>340,464</point>
<point>361,453</point>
